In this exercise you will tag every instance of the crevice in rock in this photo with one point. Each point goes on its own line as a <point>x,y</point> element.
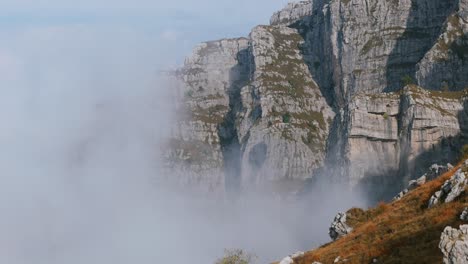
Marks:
<point>240,76</point>
<point>321,64</point>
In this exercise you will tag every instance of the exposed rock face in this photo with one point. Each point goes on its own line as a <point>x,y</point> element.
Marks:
<point>451,189</point>
<point>454,245</point>
<point>445,64</point>
<point>209,76</point>
<point>285,121</point>
<point>322,86</point>
<point>292,13</point>
<point>339,227</point>
<point>394,135</point>
<point>373,140</point>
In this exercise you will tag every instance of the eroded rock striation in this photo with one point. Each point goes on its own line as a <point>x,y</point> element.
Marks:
<point>368,93</point>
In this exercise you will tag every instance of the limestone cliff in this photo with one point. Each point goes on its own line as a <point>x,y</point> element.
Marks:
<point>320,89</point>
<point>393,135</point>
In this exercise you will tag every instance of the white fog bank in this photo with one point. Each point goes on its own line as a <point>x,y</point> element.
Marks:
<point>83,116</point>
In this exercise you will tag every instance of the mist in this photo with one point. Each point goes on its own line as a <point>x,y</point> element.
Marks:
<point>84,115</point>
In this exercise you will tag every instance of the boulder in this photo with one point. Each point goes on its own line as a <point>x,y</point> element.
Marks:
<point>454,245</point>
<point>339,227</point>
<point>464,214</point>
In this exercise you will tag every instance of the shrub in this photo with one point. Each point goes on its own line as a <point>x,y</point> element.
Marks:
<point>236,256</point>
<point>385,116</point>
<point>407,80</point>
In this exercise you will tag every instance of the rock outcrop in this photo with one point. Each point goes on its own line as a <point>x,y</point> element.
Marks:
<point>451,189</point>
<point>433,172</point>
<point>454,245</point>
<point>322,89</point>
<point>413,184</point>
<point>339,227</point>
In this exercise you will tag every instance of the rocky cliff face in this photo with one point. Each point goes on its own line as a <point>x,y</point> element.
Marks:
<point>206,84</point>
<point>322,87</point>
<point>393,135</point>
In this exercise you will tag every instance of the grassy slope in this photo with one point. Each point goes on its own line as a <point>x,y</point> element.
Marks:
<point>404,231</point>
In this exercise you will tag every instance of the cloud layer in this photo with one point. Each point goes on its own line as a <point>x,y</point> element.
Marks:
<point>83,114</point>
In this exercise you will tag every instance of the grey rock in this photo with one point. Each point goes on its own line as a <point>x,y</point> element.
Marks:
<point>433,172</point>
<point>454,245</point>
<point>389,131</point>
<point>339,227</point>
<point>321,88</point>
<point>287,141</point>
<point>293,12</point>
<point>194,154</point>
<point>444,65</point>
<point>450,190</point>
<point>464,214</point>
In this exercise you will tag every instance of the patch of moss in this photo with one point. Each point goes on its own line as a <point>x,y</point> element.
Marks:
<point>284,74</point>
<point>212,115</point>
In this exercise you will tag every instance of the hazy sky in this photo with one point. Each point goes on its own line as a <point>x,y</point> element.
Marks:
<point>83,116</point>
<point>173,26</point>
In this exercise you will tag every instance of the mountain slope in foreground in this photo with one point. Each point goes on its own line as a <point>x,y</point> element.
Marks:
<point>403,231</point>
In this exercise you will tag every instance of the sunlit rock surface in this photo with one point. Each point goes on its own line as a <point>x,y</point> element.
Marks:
<point>329,86</point>
<point>454,245</point>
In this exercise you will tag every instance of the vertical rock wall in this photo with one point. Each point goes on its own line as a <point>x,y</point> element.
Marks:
<point>322,86</point>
